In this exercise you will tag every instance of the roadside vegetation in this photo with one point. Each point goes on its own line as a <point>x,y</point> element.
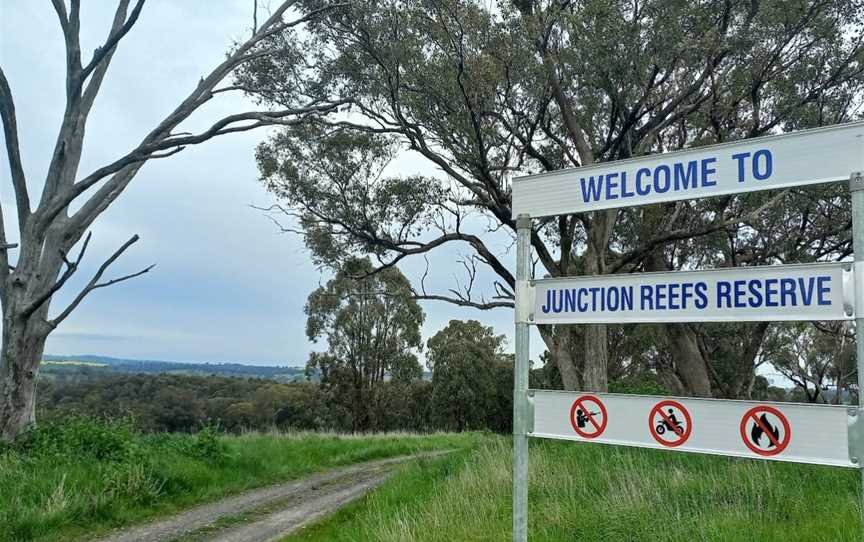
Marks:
<point>80,476</point>
<point>599,493</point>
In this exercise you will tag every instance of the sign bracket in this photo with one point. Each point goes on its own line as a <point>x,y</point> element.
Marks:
<point>524,301</point>
<point>856,435</point>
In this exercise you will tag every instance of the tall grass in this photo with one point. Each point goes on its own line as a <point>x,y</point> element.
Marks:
<point>80,476</point>
<point>599,493</point>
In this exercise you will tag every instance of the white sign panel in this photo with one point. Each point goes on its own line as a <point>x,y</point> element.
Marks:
<point>807,157</point>
<point>782,292</point>
<point>780,431</point>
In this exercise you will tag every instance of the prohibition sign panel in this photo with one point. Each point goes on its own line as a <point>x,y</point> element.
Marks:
<point>765,430</point>
<point>820,431</point>
<point>670,423</point>
<point>588,416</point>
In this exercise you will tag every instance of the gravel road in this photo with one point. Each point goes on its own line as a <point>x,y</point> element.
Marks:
<point>271,512</point>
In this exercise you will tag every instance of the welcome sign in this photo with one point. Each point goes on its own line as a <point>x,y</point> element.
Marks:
<point>801,158</point>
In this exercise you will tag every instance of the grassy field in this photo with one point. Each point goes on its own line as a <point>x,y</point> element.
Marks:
<point>82,477</point>
<point>601,493</point>
<point>75,363</point>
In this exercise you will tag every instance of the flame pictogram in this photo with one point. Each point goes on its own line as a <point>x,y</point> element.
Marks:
<point>756,432</point>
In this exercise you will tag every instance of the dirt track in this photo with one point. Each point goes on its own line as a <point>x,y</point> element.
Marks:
<point>271,512</point>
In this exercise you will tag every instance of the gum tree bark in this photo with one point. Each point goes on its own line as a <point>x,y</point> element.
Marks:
<point>49,231</point>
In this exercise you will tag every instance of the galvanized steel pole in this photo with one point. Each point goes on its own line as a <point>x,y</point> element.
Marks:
<point>520,385</point>
<point>856,191</point>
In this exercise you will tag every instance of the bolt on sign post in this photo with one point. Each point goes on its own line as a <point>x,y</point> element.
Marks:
<point>817,434</point>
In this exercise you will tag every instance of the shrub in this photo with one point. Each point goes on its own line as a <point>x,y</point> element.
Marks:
<point>81,437</point>
<point>644,385</point>
<point>204,444</point>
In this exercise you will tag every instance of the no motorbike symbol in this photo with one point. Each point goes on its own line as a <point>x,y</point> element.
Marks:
<point>588,416</point>
<point>670,423</point>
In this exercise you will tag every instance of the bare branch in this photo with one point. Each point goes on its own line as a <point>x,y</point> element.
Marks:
<point>13,151</point>
<point>94,282</point>
<point>166,154</point>
<point>101,65</point>
<point>60,8</point>
<point>464,302</point>
<point>254,16</point>
<point>691,233</point>
<point>124,168</point>
<point>107,49</point>
<point>71,267</point>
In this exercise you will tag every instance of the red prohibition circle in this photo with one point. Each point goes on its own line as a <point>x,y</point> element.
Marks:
<point>578,404</point>
<point>778,446</point>
<point>658,409</point>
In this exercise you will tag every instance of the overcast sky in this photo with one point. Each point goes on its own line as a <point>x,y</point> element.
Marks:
<point>227,286</point>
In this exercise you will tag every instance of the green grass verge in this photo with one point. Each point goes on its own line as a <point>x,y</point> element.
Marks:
<point>598,493</point>
<point>80,477</point>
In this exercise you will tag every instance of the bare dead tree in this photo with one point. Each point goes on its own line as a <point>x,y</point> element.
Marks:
<point>49,230</point>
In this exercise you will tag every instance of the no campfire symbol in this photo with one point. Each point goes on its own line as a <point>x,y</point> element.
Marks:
<point>588,416</point>
<point>765,430</point>
<point>670,423</point>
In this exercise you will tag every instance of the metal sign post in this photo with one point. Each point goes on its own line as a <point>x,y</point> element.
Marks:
<point>823,291</point>
<point>856,191</point>
<point>520,382</point>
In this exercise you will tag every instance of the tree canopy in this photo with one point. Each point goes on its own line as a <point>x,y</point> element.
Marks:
<point>466,359</point>
<point>372,327</point>
<point>482,92</point>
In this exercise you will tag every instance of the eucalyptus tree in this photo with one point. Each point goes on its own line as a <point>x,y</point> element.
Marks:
<point>465,357</point>
<point>39,263</point>
<point>372,327</point>
<point>483,91</point>
<point>811,358</point>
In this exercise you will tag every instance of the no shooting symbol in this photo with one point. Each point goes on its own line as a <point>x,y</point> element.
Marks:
<point>670,423</point>
<point>588,416</point>
<point>765,430</point>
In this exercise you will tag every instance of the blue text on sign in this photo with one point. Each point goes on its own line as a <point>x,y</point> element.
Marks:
<point>726,294</point>
<point>674,177</point>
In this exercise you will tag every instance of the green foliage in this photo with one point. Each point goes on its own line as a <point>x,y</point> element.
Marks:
<point>485,91</point>
<point>642,386</point>
<point>471,379</point>
<point>371,518</point>
<point>77,478</point>
<point>205,445</point>
<point>372,323</point>
<point>597,493</point>
<point>391,207</point>
<point>82,437</point>
<point>233,405</point>
<point>812,356</point>
<point>185,403</point>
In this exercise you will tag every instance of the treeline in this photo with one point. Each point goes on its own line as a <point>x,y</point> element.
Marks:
<point>370,377</point>
<point>188,403</point>
<point>470,387</point>
<point>369,380</point>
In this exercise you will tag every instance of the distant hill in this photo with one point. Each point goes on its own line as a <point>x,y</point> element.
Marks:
<point>95,364</point>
